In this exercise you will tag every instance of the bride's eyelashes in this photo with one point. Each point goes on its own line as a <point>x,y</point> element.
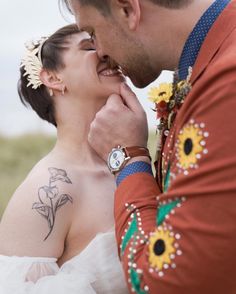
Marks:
<point>90,49</point>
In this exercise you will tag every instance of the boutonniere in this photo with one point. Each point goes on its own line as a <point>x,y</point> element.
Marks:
<point>168,98</point>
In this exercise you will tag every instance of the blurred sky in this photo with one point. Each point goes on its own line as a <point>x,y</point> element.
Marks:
<point>21,21</point>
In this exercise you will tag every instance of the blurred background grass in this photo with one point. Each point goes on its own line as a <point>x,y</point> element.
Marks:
<point>17,157</point>
<point>19,154</point>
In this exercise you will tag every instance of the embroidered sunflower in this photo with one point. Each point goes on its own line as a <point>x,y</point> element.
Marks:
<point>189,146</point>
<point>162,93</point>
<point>161,246</point>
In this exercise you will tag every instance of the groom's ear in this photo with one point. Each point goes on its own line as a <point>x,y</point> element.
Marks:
<point>128,11</point>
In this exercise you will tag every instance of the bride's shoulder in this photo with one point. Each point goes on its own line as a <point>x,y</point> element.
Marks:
<point>38,216</point>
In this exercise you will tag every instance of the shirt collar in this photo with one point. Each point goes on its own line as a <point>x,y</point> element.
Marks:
<point>198,35</point>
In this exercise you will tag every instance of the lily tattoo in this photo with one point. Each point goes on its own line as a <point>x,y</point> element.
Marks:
<point>50,199</point>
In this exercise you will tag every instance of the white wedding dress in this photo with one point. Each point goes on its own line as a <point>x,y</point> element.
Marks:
<point>96,269</point>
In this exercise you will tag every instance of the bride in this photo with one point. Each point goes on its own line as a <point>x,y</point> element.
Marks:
<point>56,235</point>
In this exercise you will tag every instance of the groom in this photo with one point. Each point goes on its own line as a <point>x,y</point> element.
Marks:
<point>176,233</point>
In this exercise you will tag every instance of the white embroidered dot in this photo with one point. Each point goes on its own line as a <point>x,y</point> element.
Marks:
<point>205,151</point>
<point>151,270</point>
<point>146,288</point>
<point>177,236</point>
<point>172,256</point>
<point>166,266</point>
<point>179,252</point>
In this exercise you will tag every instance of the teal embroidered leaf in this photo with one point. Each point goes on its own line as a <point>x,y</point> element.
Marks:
<point>164,210</point>
<point>136,283</point>
<point>129,234</point>
<point>167,180</point>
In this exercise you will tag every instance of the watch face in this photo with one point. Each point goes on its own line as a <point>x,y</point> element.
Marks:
<point>116,159</point>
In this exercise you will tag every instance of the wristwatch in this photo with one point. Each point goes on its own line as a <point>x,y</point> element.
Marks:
<point>119,156</point>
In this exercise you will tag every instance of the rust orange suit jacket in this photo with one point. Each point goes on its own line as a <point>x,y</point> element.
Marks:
<point>178,235</point>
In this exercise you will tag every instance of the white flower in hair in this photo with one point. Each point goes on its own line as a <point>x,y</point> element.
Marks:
<point>32,62</point>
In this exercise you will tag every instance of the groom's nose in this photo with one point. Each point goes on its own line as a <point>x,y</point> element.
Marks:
<point>104,58</point>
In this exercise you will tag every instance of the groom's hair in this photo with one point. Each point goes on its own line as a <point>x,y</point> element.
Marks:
<point>172,3</point>
<point>104,5</point>
<point>52,59</point>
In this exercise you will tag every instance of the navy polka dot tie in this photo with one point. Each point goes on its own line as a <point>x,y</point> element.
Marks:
<point>198,35</point>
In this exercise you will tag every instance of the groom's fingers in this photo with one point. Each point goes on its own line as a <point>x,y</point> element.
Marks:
<point>114,102</point>
<point>129,98</point>
<point>121,121</point>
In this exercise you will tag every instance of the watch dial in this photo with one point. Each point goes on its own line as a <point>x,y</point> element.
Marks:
<point>116,159</point>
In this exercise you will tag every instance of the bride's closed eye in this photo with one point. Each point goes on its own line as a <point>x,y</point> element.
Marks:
<point>87,45</point>
<point>89,49</point>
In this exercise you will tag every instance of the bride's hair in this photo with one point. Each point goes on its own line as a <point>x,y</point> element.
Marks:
<point>51,56</point>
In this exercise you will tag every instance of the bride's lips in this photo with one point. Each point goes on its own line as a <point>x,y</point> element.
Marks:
<point>108,71</point>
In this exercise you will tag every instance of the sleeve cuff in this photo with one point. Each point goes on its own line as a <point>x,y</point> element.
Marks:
<point>133,168</point>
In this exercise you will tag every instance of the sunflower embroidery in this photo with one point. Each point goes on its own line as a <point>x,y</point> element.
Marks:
<point>190,145</point>
<point>161,248</point>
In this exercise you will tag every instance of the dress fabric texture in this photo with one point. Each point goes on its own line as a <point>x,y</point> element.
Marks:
<point>96,269</point>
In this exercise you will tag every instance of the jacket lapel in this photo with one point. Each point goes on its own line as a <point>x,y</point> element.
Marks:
<point>220,30</point>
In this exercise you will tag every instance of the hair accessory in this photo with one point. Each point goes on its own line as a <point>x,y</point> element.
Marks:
<point>32,62</point>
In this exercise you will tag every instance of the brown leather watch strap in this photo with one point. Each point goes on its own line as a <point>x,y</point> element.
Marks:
<point>135,151</point>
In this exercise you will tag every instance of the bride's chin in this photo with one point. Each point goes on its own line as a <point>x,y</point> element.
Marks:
<point>114,88</point>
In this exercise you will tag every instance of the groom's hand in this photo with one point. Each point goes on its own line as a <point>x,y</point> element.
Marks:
<point>122,121</point>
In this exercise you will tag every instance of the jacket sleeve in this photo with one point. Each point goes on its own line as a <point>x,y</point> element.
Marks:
<point>181,238</point>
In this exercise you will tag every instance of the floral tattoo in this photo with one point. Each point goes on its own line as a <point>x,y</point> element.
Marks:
<point>50,199</point>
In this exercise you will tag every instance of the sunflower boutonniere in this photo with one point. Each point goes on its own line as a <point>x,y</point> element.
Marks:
<point>168,98</point>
